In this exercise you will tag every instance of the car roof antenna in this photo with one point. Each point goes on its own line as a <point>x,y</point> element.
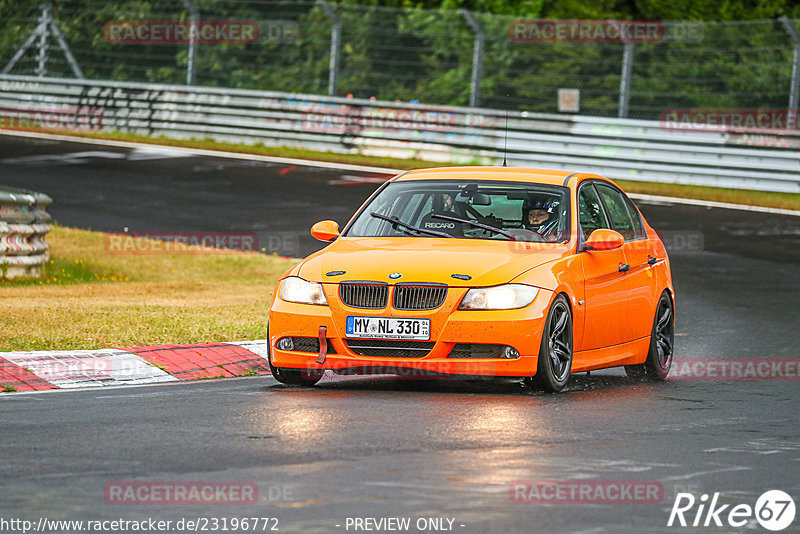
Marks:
<point>505,143</point>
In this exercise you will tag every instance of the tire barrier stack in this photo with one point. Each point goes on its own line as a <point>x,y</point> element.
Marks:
<point>24,223</point>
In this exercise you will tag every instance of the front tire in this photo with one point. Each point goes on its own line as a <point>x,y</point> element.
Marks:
<point>297,377</point>
<point>555,355</point>
<point>662,342</point>
<point>292,377</point>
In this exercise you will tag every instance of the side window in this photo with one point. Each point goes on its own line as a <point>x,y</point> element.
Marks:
<point>638,225</point>
<point>590,211</point>
<point>617,211</point>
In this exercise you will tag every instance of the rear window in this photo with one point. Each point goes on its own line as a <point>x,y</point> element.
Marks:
<point>638,226</point>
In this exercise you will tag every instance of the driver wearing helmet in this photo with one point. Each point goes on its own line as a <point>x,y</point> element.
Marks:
<point>536,217</point>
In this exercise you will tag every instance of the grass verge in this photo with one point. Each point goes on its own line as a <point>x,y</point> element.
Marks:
<point>89,298</point>
<point>789,201</point>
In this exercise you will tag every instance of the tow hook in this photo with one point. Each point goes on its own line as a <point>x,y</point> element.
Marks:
<point>323,344</point>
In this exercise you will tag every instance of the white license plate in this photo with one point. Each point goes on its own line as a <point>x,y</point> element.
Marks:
<point>388,328</point>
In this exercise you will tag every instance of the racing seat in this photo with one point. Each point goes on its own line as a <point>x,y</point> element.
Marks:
<point>429,222</point>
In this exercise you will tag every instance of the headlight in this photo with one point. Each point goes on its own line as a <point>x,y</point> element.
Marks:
<point>505,297</point>
<point>295,289</point>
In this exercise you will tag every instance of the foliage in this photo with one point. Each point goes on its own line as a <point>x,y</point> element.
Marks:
<point>423,50</point>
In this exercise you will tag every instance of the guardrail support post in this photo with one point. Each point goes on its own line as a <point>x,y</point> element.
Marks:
<point>336,46</point>
<point>794,86</point>
<point>194,21</point>
<point>477,57</point>
<point>625,81</point>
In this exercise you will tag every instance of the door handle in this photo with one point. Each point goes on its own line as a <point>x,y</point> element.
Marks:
<point>623,267</point>
<point>651,260</point>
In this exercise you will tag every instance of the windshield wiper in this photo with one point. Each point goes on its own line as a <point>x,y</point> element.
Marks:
<point>476,224</point>
<point>397,222</point>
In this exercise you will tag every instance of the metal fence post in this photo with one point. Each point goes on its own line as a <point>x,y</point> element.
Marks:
<point>794,86</point>
<point>477,57</point>
<point>336,40</point>
<point>44,23</point>
<point>625,81</point>
<point>194,21</point>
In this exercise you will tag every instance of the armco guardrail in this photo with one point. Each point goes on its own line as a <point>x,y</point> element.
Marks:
<point>618,148</point>
<point>23,227</point>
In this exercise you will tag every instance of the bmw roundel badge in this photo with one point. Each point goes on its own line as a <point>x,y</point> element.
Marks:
<point>395,276</point>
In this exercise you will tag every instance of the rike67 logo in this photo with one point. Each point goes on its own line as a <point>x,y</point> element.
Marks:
<point>774,510</point>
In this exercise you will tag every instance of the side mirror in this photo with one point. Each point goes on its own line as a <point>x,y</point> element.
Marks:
<point>325,231</point>
<point>605,239</point>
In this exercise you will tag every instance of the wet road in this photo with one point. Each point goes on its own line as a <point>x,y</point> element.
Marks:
<point>388,447</point>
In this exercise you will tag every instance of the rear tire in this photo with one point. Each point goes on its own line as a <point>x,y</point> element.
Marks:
<point>293,377</point>
<point>555,354</point>
<point>662,344</point>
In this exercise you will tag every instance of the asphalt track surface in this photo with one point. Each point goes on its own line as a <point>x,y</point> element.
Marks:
<point>389,447</point>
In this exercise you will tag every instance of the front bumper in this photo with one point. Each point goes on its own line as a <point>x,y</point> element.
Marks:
<point>520,329</point>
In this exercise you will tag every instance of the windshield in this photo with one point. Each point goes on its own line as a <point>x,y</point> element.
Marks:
<point>467,210</point>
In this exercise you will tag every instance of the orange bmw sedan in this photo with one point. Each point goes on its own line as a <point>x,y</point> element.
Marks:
<point>480,271</point>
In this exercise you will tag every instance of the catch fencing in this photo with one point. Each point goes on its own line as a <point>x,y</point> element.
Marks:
<point>657,151</point>
<point>23,228</point>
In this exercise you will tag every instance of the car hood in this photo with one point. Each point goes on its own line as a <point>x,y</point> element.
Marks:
<point>418,259</point>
